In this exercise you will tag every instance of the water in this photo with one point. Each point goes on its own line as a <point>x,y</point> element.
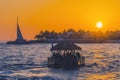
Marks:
<point>28,62</point>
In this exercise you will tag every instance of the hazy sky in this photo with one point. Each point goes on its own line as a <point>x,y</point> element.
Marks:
<point>36,15</point>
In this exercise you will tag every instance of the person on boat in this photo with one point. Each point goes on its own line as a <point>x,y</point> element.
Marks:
<point>75,61</point>
<point>58,60</point>
<point>78,55</point>
<point>66,60</point>
<point>53,55</point>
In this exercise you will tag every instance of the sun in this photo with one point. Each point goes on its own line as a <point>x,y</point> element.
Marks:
<point>99,24</point>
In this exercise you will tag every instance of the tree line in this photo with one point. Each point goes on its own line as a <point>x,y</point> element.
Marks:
<point>80,34</point>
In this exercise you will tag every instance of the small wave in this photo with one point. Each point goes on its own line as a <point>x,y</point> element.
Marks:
<point>27,78</point>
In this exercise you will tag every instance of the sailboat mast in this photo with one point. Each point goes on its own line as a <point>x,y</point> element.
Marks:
<point>17,20</point>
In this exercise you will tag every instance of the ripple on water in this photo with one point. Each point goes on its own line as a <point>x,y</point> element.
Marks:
<point>29,62</point>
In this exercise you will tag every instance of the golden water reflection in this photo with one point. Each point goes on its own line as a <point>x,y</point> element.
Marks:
<point>107,76</point>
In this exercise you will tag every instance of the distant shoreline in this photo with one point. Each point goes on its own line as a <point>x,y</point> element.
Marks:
<point>72,40</point>
<point>64,40</point>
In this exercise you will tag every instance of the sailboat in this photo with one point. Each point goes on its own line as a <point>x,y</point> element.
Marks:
<point>20,39</point>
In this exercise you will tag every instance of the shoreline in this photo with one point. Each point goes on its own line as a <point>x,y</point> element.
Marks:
<point>64,40</point>
<point>72,40</point>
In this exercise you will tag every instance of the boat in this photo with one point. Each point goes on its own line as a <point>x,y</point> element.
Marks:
<point>66,55</point>
<point>20,40</point>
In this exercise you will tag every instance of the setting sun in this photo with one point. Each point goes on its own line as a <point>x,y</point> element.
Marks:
<point>99,24</point>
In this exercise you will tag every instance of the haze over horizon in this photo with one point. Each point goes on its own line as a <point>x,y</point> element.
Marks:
<point>37,15</point>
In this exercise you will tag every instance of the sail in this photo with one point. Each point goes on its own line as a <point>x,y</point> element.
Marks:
<point>19,34</point>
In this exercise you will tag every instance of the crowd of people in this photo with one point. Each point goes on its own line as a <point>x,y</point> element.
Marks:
<point>68,59</point>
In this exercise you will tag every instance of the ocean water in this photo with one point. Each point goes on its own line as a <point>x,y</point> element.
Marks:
<point>28,62</point>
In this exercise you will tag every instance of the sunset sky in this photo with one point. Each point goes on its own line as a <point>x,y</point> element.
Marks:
<point>37,15</point>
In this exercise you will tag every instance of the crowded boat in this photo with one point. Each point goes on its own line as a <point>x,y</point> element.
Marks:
<point>66,55</point>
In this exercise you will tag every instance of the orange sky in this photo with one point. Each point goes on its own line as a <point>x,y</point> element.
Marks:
<point>36,15</point>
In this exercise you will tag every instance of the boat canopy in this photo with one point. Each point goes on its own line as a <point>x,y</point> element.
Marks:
<point>65,46</point>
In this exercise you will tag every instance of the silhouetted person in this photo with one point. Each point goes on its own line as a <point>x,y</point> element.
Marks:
<point>53,55</point>
<point>78,55</point>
